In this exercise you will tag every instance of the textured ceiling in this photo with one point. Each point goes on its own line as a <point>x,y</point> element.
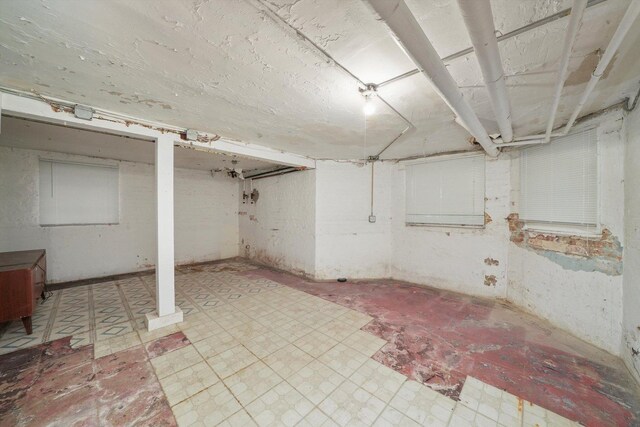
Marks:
<point>226,67</point>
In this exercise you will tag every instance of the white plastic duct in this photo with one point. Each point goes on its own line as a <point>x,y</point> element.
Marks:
<point>625,25</point>
<point>577,11</point>
<point>416,44</point>
<point>478,18</point>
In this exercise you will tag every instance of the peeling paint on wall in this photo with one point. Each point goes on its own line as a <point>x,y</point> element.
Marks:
<point>490,280</point>
<point>576,253</point>
<point>487,218</point>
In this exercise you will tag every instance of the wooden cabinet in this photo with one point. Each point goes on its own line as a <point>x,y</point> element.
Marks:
<point>22,278</point>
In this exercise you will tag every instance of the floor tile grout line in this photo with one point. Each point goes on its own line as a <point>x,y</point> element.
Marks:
<point>92,317</point>
<point>153,369</point>
<point>315,406</point>
<point>52,316</point>
<point>344,379</point>
<point>125,303</point>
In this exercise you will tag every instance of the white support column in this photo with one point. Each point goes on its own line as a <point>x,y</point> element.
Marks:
<point>166,311</point>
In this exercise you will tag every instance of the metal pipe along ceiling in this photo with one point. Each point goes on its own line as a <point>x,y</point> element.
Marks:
<point>625,25</point>
<point>533,25</point>
<point>577,11</point>
<point>478,18</point>
<point>418,47</point>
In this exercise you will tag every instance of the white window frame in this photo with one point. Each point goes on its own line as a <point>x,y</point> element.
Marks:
<point>570,229</point>
<point>113,166</point>
<point>450,157</point>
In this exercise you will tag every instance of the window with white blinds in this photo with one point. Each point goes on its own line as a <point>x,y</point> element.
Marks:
<point>447,191</point>
<point>559,181</point>
<point>78,193</point>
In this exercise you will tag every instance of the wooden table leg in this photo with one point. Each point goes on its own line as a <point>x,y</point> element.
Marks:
<point>26,321</point>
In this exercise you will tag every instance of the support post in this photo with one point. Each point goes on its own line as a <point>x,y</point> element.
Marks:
<point>166,311</point>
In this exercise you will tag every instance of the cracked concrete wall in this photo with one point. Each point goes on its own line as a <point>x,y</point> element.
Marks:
<point>279,229</point>
<point>550,275</point>
<point>631,289</point>
<point>206,220</point>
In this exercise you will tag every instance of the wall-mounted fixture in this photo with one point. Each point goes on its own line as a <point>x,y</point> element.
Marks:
<point>369,93</point>
<point>255,195</point>
<point>191,135</point>
<point>83,112</point>
<point>235,173</point>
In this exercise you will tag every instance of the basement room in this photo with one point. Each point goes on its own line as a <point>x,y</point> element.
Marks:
<point>320,213</point>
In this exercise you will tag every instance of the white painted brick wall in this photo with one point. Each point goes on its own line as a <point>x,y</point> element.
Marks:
<point>588,304</point>
<point>206,221</point>
<point>279,229</point>
<point>347,244</point>
<point>631,289</point>
<point>453,258</point>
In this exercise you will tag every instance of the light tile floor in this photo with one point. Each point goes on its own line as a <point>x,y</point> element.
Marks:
<point>261,353</point>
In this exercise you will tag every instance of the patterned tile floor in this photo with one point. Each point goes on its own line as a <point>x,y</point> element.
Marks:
<point>251,351</point>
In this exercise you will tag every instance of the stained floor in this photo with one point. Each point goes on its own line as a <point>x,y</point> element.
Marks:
<point>268,348</point>
<point>439,338</point>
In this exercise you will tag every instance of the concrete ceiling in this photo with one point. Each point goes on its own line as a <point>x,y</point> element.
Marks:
<point>31,135</point>
<point>225,67</point>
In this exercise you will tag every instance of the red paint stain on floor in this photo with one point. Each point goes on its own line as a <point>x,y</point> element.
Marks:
<point>438,338</point>
<point>166,344</point>
<point>54,384</point>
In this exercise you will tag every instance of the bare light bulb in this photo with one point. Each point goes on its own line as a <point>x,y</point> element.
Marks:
<point>368,108</point>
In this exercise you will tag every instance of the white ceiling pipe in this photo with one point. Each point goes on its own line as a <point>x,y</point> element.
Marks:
<point>539,136</point>
<point>577,11</point>
<point>478,18</point>
<point>625,25</point>
<point>417,46</point>
<point>519,143</point>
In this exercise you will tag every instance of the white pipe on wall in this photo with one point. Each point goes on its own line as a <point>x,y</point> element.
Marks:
<point>625,25</point>
<point>416,44</point>
<point>577,11</point>
<point>478,18</point>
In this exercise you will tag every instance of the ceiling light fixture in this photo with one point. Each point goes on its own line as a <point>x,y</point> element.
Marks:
<point>368,108</point>
<point>369,92</point>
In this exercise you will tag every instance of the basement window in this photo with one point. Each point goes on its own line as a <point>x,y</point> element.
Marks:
<point>78,193</point>
<point>446,191</point>
<point>559,184</point>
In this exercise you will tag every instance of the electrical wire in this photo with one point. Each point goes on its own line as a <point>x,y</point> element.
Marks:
<point>372,175</point>
<point>262,6</point>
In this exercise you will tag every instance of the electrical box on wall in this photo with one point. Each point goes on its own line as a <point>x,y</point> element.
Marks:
<point>372,218</point>
<point>83,112</point>
<point>191,135</point>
